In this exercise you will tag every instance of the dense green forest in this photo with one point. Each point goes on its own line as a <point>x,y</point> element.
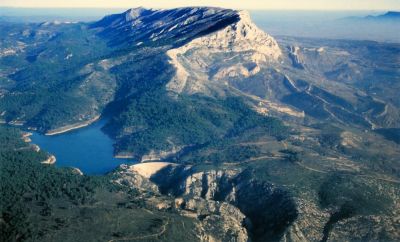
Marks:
<point>45,82</point>
<point>30,187</point>
<point>43,203</point>
<point>157,121</point>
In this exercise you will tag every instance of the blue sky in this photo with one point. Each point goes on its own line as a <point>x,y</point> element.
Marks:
<point>238,4</point>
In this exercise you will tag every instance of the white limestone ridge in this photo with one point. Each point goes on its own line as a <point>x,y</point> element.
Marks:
<point>242,36</point>
<point>243,39</point>
<point>238,37</point>
<point>134,13</point>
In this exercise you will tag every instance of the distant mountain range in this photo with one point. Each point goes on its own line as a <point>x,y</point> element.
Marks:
<point>388,16</point>
<point>391,15</point>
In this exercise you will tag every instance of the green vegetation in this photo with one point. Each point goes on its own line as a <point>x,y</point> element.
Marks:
<point>27,185</point>
<point>292,155</point>
<point>345,190</point>
<point>217,152</point>
<point>349,196</point>
<point>157,121</point>
<point>43,203</point>
<point>46,87</point>
<point>390,134</point>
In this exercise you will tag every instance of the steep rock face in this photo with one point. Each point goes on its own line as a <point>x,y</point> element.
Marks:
<point>231,200</point>
<point>263,209</point>
<point>126,176</point>
<point>197,39</point>
<point>224,220</point>
<point>297,61</point>
<point>210,185</point>
<point>241,47</point>
<point>269,210</point>
<point>218,221</point>
<point>141,26</point>
<point>294,234</point>
<point>160,155</point>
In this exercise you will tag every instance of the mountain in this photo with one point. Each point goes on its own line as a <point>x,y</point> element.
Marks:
<point>291,136</point>
<point>145,26</point>
<point>389,16</point>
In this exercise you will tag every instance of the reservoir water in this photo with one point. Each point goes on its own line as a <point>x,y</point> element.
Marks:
<point>88,149</point>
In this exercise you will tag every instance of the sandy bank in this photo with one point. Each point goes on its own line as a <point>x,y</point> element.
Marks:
<point>77,171</point>
<point>150,168</point>
<point>72,127</point>
<point>124,155</point>
<point>35,147</point>
<point>25,137</point>
<point>50,161</point>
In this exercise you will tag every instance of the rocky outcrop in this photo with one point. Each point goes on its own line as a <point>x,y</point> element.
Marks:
<point>218,220</point>
<point>77,171</point>
<point>294,234</point>
<point>129,177</point>
<point>160,155</point>
<point>372,228</point>
<point>50,160</point>
<point>309,223</point>
<point>141,27</point>
<point>239,203</point>
<point>294,55</point>
<point>210,185</point>
<point>26,137</point>
<point>242,40</point>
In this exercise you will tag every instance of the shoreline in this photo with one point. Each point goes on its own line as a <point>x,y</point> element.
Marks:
<point>124,155</point>
<point>50,160</point>
<point>71,127</point>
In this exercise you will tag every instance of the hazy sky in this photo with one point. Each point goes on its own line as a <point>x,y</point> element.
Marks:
<point>240,4</point>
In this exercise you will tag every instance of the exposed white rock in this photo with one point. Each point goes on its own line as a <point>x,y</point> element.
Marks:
<point>239,37</point>
<point>35,148</point>
<point>127,176</point>
<point>241,42</point>
<point>154,155</point>
<point>295,54</point>
<point>150,168</point>
<point>50,160</point>
<point>266,107</point>
<point>69,56</point>
<point>237,71</point>
<point>350,140</point>
<point>134,13</point>
<point>7,52</point>
<point>77,171</point>
<point>205,184</point>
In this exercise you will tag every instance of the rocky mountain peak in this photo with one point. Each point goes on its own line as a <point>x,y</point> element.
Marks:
<point>241,49</point>
<point>190,36</point>
<point>166,26</point>
<point>135,13</point>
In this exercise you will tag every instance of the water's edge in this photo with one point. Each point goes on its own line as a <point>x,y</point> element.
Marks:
<point>87,148</point>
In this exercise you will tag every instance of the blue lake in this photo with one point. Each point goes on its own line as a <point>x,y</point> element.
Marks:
<point>88,149</point>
